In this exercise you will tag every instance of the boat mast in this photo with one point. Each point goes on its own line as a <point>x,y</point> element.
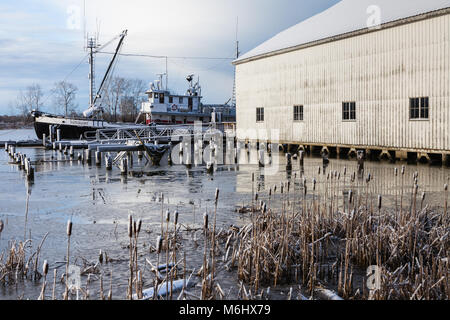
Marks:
<point>233,97</point>
<point>91,47</point>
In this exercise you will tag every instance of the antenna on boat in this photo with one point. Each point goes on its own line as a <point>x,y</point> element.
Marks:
<point>233,97</point>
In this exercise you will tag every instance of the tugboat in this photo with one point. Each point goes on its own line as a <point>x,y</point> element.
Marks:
<point>74,128</point>
<point>163,107</point>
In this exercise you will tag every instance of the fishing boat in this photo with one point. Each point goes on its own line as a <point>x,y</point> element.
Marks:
<point>75,127</point>
<point>165,107</point>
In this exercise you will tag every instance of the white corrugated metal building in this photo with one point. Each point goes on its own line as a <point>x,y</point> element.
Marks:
<point>364,74</point>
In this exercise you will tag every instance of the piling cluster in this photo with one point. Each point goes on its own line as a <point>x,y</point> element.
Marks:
<point>21,160</point>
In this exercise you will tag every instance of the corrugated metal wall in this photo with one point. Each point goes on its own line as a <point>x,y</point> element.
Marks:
<point>380,71</point>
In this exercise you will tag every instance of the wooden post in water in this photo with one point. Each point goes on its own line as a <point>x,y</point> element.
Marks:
<point>301,156</point>
<point>87,156</point>
<point>124,166</point>
<point>108,162</point>
<point>71,152</point>
<point>50,133</point>
<point>44,139</point>
<point>289,162</point>
<point>98,158</point>
<point>58,135</point>
<point>29,170</point>
<point>261,158</point>
<point>360,158</point>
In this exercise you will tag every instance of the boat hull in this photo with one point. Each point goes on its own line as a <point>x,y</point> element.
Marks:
<point>67,131</point>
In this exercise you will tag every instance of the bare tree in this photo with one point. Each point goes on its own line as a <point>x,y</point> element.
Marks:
<point>64,96</point>
<point>123,96</point>
<point>115,93</point>
<point>30,99</point>
<point>133,99</point>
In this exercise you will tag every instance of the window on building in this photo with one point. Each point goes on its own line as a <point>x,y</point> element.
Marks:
<point>161,98</point>
<point>419,108</point>
<point>298,113</point>
<point>180,101</point>
<point>349,111</point>
<point>259,114</point>
<point>170,99</point>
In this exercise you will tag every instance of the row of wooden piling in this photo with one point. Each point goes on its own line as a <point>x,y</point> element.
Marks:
<point>20,159</point>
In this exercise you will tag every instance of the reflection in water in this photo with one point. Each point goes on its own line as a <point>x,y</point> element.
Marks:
<point>88,193</point>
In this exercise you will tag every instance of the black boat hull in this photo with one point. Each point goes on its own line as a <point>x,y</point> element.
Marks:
<point>68,132</point>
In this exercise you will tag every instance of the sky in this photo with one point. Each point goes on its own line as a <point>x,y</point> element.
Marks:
<point>43,41</point>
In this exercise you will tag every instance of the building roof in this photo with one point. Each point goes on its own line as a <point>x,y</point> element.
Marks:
<point>344,17</point>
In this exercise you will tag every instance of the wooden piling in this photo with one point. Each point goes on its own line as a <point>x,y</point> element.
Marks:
<point>98,158</point>
<point>124,166</point>
<point>108,162</point>
<point>87,155</point>
<point>360,158</point>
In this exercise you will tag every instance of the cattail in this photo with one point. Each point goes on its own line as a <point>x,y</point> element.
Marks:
<point>217,194</point>
<point>139,225</point>
<point>423,196</point>
<point>305,189</point>
<point>256,196</point>
<point>350,196</point>
<point>416,188</point>
<point>379,202</point>
<point>176,217</point>
<point>318,170</point>
<point>45,268</point>
<point>369,177</point>
<point>130,226</point>
<point>274,188</point>
<point>205,221</point>
<point>100,257</point>
<point>264,208</point>
<point>395,172</point>
<point>345,171</point>
<point>159,243</point>
<point>281,187</point>
<point>403,170</point>
<point>69,228</point>
<point>445,189</point>
<point>2,225</point>
<point>314,184</point>
<point>253,177</point>
<point>167,215</point>
<point>134,228</point>
<point>270,192</point>
<point>288,186</point>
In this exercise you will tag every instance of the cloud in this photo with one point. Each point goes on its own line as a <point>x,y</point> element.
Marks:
<point>42,41</point>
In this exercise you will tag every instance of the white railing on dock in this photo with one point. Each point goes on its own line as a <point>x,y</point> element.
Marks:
<point>154,132</point>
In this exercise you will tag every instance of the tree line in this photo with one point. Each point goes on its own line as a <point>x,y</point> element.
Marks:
<point>121,100</point>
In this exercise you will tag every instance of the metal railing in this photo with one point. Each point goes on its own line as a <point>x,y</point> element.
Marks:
<point>154,132</point>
